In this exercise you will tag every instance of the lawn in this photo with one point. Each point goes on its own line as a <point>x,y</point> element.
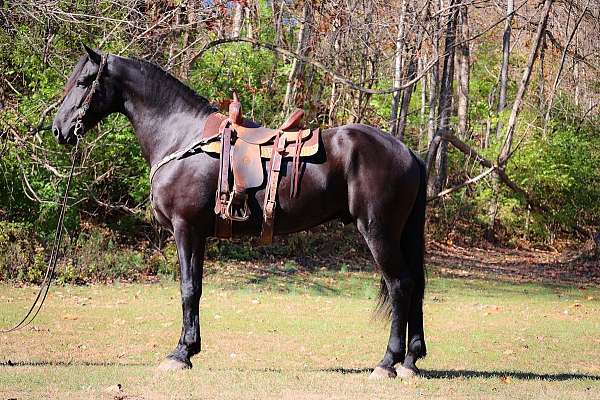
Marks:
<point>302,336</point>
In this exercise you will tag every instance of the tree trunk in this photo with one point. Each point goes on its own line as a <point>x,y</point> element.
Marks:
<point>302,49</point>
<point>512,122</point>
<point>464,65</point>
<point>190,14</point>
<point>251,17</point>
<point>398,69</point>
<point>577,86</point>
<point>434,79</point>
<point>238,18</point>
<point>277,8</point>
<point>423,103</point>
<point>561,67</point>
<point>406,96</point>
<point>437,181</point>
<point>510,8</point>
<point>541,78</point>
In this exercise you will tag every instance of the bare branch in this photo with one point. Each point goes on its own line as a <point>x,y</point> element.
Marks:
<point>462,185</point>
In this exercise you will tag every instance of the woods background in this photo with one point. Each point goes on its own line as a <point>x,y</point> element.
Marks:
<point>504,92</point>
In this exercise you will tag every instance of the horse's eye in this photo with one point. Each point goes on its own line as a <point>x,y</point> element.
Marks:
<point>81,83</point>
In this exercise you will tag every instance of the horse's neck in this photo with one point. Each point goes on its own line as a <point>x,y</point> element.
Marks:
<point>163,122</point>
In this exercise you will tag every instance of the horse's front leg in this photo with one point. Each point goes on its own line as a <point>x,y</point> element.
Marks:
<point>190,249</point>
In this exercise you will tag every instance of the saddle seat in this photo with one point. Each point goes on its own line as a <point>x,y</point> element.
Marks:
<point>242,145</point>
<point>262,135</point>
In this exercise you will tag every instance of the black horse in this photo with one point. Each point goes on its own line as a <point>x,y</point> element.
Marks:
<point>360,175</point>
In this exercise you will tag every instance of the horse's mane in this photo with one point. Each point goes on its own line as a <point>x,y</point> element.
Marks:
<point>169,87</point>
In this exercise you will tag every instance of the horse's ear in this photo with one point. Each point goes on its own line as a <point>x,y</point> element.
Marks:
<point>93,56</point>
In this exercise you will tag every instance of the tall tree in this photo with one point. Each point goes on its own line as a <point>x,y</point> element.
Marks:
<point>512,122</point>
<point>506,150</point>
<point>561,66</point>
<point>434,76</point>
<point>238,17</point>
<point>503,86</point>
<point>302,48</point>
<point>464,66</point>
<point>398,58</point>
<point>437,181</point>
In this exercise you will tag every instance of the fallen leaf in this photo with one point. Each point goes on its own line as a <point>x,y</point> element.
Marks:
<point>505,379</point>
<point>114,388</point>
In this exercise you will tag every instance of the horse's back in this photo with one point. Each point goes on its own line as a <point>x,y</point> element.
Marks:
<point>366,148</point>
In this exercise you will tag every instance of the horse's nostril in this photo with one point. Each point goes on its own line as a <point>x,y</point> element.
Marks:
<point>56,132</point>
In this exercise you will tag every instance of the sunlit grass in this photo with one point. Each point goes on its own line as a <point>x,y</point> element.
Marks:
<point>296,335</point>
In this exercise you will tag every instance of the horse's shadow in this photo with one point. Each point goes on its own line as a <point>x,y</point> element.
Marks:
<point>460,373</point>
<point>425,373</point>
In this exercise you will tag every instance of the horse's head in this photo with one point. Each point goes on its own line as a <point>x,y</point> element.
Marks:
<point>88,97</point>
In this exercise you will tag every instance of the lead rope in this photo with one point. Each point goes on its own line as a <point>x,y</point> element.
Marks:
<point>47,281</point>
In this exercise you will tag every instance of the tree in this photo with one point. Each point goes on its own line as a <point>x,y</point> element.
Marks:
<point>464,66</point>
<point>398,61</point>
<point>503,85</point>
<point>302,48</point>
<point>437,181</point>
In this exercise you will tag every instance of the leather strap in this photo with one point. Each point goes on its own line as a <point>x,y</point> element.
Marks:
<point>269,204</point>
<point>223,225</point>
<point>295,166</point>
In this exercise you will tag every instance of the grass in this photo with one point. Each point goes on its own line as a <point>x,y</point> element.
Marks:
<point>287,334</point>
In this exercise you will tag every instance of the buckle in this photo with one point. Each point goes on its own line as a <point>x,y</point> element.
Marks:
<point>269,208</point>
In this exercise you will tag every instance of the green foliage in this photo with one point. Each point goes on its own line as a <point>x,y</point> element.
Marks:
<point>562,170</point>
<point>21,254</point>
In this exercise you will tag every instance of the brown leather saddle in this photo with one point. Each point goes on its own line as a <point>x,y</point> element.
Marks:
<point>241,145</point>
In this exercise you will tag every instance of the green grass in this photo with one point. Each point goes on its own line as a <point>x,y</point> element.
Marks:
<point>272,335</point>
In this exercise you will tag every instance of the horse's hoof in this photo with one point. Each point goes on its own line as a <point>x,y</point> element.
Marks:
<point>405,373</point>
<point>383,373</point>
<point>170,364</point>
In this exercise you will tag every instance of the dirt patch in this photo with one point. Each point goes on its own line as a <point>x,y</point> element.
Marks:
<point>515,265</point>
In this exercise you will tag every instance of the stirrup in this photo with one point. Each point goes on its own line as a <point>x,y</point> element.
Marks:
<point>228,210</point>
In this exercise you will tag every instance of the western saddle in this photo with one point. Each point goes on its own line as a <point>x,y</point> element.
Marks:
<point>241,145</point>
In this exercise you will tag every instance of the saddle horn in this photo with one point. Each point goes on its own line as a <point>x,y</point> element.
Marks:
<point>235,110</point>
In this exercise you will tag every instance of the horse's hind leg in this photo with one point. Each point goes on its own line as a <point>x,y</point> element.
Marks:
<point>413,245</point>
<point>385,247</point>
<point>416,338</point>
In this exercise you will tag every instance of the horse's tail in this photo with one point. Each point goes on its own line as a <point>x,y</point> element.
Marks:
<point>413,237</point>
<point>413,248</point>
